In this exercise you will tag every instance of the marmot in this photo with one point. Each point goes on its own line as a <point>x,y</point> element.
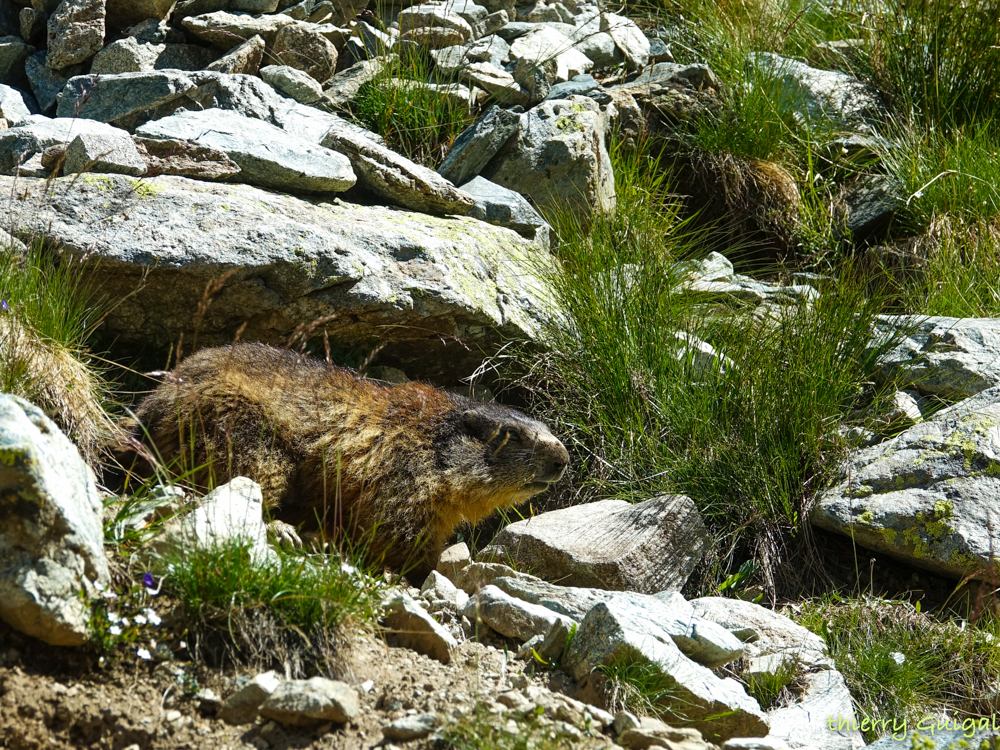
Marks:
<point>396,467</point>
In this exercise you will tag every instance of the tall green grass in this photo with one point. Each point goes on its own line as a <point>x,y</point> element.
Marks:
<point>750,438</point>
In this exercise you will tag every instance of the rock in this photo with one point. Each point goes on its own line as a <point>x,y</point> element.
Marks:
<point>115,153</point>
<point>119,98</point>
<point>34,25</point>
<point>310,702</point>
<point>817,95</point>
<point>46,83</point>
<point>659,51</point>
<point>950,358</point>
<point>129,55</point>
<point>928,495</point>
<point>434,16</point>
<point>496,82</point>
<point>774,633</point>
<point>124,13</point>
<point>410,626</point>
<point>714,275</point>
<point>491,49</point>
<point>411,282</point>
<point>453,559</point>
<point>13,106</point>
<point>76,31</point>
<point>611,544</point>
<point>241,707</point>
<point>51,538</point>
<point>475,576</point>
<point>870,205</point>
<point>244,58</point>
<point>233,512</point>
<point>700,639</point>
<point>14,54</point>
<point>344,87</point>
<point>19,144</point>
<point>475,146</point>
<point>182,158</point>
<point>502,207</point>
<point>440,592</point>
<point>513,617</point>
<point>640,733</point>
<point>431,37</point>
<point>375,42</point>
<point>719,708</point>
<point>755,743</point>
<point>393,177</point>
<point>628,38</point>
<point>302,47</point>
<point>295,83</point>
<point>410,727</point>
<point>545,43</point>
<point>806,723</point>
<point>266,154</point>
<point>558,158</point>
<point>227,30</point>
<point>580,85</point>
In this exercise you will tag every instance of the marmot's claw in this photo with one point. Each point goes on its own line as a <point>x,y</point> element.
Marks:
<point>283,534</point>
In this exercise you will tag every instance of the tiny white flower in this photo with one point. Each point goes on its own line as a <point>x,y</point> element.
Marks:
<point>140,619</point>
<point>113,617</point>
<point>183,644</point>
<point>115,630</point>
<point>125,622</point>
<point>152,616</point>
<point>143,653</point>
<point>152,644</point>
<point>109,594</point>
<point>897,657</point>
<point>98,585</point>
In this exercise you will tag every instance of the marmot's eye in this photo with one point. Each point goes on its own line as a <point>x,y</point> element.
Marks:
<point>513,436</point>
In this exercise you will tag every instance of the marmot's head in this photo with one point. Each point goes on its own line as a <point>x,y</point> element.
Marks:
<point>498,452</point>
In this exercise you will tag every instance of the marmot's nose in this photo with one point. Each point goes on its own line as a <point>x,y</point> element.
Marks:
<point>556,465</point>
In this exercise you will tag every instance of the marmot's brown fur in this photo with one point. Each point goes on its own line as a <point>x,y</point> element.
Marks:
<point>397,467</point>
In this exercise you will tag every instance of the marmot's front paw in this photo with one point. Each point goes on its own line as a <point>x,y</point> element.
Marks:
<point>283,535</point>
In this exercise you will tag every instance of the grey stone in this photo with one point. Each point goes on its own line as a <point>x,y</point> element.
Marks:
<point>301,46</point>
<point>343,87</point>
<point>244,58</point>
<point>410,626</point>
<point>536,79</point>
<point>502,207</point>
<point>611,544</point>
<point>126,55</point>
<point>253,6</point>
<point>755,743</point>
<point>695,76</point>
<point>577,86</point>
<point>643,732</point>
<point>453,559</point>
<point>51,538</point>
<point>38,133</point>
<point>449,61</point>
<point>394,177</point>
<point>628,38</point>
<point>870,205</point>
<point>117,98</point>
<point>492,49</point>
<point>34,25</point>
<point>14,53</point>
<point>245,95</point>
<point>409,282</point>
<point>266,154</point>
<point>75,33</point>
<point>949,358</point>
<point>928,495</point>
<point>434,16</point>
<point>698,638</point>
<point>46,83</point>
<point>475,146</point>
<point>511,616</point>
<point>438,589</point>
<point>13,106</point>
<point>714,276</point>
<point>339,36</point>
<point>241,707</point>
<point>558,158</point>
<point>817,95</point>
<point>104,153</point>
<point>516,29</point>
<point>375,41</point>
<point>496,82</point>
<point>806,723</point>
<point>475,576</point>
<point>155,31</point>
<point>659,51</point>
<point>230,513</point>
<point>311,702</point>
<point>545,43</point>
<point>187,159</point>
<point>410,727</point>
<point>432,37</point>
<point>122,14</point>
<point>494,22</point>
<point>706,702</point>
<point>227,30</point>
<point>295,83</point>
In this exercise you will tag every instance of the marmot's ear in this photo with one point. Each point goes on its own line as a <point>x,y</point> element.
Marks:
<point>480,425</point>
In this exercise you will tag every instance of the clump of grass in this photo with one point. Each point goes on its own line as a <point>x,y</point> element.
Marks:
<point>291,609</point>
<point>771,689</point>
<point>632,683</point>
<point>47,313</point>
<point>903,664</point>
<point>418,121</point>
<point>484,730</point>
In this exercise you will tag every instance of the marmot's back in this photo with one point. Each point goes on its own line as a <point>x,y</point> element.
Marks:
<point>396,467</point>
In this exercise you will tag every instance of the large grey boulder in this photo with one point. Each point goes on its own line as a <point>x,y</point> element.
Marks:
<point>545,43</point>
<point>124,13</point>
<point>806,722</point>
<point>559,159</point>
<point>115,153</point>
<point>410,282</point>
<point>478,144</point>
<point>267,155</point>
<point>394,177</point>
<point>14,107</point>
<point>628,37</point>
<point>930,496</point>
<point>14,53</point>
<point>719,708</point>
<point>51,538</point>
<point>611,544</point>
<point>129,55</point>
<point>117,98</point>
<point>46,83</point>
<point>951,358</point>
<point>76,31</point>
<point>513,617</point>
<point>504,208</point>
<point>227,30</point>
<point>19,144</point>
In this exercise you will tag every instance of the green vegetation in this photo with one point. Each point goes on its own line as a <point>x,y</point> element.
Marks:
<point>632,684</point>
<point>484,730</point>
<point>902,664</point>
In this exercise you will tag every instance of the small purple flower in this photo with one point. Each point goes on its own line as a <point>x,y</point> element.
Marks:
<point>148,582</point>
<point>4,305</point>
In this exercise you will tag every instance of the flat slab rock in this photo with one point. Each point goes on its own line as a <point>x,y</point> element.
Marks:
<point>612,544</point>
<point>410,281</point>
<point>930,496</point>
